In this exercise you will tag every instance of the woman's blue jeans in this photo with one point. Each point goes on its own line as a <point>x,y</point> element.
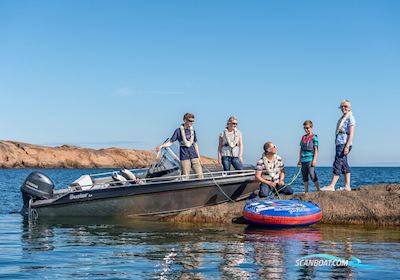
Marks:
<point>228,161</point>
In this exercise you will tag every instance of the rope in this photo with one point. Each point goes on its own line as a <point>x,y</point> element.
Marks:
<point>215,182</point>
<point>294,177</point>
<point>291,182</point>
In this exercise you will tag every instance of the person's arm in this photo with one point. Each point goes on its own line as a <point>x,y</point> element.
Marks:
<point>262,180</point>
<point>173,138</point>
<point>299,162</point>
<point>349,140</point>
<point>282,176</point>
<point>314,161</point>
<point>220,140</point>
<point>165,145</point>
<point>196,147</point>
<point>241,149</point>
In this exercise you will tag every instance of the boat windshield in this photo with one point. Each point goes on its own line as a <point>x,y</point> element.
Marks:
<point>168,158</point>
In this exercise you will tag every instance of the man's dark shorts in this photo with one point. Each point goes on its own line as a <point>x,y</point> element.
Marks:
<point>308,171</point>
<point>340,165</point>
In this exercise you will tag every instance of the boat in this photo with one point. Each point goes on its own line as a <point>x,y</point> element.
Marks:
<point>282,213</point>
<point>157,190</point>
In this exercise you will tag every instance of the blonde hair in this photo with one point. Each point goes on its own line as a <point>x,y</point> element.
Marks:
<point>308,122</point>
<point>231,118</point>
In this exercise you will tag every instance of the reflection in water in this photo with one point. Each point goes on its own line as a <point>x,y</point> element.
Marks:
<point>137,249</point>
<point>271,247</point>
<point>37,237</point>
<point>234,254</point>
<point>345,251</point>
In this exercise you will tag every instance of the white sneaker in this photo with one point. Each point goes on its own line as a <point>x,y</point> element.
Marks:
<point>328,189</point>
<point>344,189</point>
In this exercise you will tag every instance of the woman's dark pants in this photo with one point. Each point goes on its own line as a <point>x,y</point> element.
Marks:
<point>340,165</point>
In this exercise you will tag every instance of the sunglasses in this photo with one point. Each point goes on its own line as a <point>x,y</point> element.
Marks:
<point>190,120</point>
<point>234,123</point>
<point>344,106</point>
<point>307,127</point>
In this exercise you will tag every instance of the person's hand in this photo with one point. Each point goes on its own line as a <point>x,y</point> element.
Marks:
<point>158,148</point>
<point>299,163</point>
<point>272,184</point>
<point>219,161</point>
<point>346,150</point>
<point>314,163</point>
<point>281,183</point>
<point>241,160</point>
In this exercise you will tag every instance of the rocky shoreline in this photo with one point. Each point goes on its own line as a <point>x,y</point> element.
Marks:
<point>367,205</point>
<point>15,154</point>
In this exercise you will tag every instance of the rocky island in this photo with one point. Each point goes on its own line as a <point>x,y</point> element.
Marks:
<point>22,155</point>
<point>376,205</point>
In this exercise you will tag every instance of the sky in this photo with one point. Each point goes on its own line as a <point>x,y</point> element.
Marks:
<point>122,73</point>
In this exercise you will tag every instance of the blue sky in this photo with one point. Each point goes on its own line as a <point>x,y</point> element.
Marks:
<point>122,73</point>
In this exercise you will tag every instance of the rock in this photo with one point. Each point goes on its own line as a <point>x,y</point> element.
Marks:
<point>367,205</point>
<point>22,155</point>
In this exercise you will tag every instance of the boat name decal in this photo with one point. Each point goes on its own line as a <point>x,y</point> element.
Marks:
<point>79,196</point>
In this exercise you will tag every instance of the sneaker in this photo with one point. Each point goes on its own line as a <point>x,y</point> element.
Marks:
<point>344,189</point>
<point>328,189</point>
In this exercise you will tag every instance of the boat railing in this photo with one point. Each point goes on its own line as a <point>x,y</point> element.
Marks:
<point>147,181</point>
<point>205,175</point>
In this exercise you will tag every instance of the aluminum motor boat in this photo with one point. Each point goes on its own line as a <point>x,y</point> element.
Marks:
<point>160,189</point>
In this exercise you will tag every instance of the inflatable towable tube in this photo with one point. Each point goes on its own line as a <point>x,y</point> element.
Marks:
<point>282,213</point>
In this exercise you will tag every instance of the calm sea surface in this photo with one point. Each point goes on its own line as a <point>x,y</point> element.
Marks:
<point>130,249</point>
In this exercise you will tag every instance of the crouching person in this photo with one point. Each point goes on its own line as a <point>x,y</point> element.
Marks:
<point>271,173</point>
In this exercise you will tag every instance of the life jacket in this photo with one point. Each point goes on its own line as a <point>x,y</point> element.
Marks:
<point>271,171</point>
<point>340,124</point>
<point>307,143</point>
<point>185,142</point>
<point>227,142</point>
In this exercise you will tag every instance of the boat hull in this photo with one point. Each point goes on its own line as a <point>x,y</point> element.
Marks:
<point>147,200</point>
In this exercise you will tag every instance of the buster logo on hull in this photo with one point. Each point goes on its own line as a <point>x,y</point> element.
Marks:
<point>79,196</point>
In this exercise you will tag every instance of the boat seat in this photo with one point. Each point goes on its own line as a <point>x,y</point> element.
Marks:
<point>82,183</point>
<point>128,175</point>
<point>118,180</point>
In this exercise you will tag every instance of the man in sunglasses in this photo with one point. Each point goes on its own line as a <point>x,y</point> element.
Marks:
<point>270,172</point>
<point>189,149</point>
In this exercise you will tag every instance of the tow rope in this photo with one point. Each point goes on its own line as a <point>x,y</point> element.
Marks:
<point>288,184</point>
<point>215,182</point>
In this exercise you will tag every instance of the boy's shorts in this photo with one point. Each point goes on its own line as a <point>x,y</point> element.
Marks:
<point>308,171</point>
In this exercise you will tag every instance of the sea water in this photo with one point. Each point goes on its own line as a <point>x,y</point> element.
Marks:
<point>132,249</point>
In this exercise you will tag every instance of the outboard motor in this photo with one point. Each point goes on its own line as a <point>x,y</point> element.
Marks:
<point>36,186</point>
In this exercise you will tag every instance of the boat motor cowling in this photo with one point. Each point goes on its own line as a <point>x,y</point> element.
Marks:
<point>37,186</point>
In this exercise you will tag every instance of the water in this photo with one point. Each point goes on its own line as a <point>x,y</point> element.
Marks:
<point>130,249</point>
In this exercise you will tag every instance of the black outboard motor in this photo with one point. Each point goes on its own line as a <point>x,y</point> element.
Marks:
<point>37,186</point>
